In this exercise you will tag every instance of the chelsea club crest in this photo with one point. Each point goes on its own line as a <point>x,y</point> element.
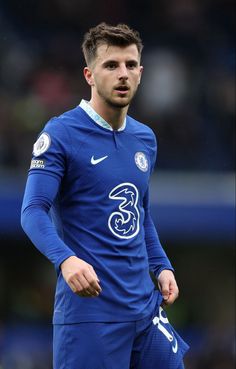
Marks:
<point>141,161</point>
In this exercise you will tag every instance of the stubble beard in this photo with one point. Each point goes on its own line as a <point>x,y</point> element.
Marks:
<point>114,103</point>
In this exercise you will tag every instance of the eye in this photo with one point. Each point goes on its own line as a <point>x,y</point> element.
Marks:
<point>131,65</point>
<point>111,66</point>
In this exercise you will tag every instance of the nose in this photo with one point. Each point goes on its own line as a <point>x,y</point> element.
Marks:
<point>123,73</point>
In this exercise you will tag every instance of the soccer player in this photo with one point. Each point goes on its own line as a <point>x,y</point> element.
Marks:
<point>86,208</point>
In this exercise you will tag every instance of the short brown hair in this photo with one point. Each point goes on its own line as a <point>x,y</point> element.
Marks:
<point>120,35</point>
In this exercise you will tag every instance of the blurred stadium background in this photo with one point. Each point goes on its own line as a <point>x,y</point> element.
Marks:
<point>188,98</point>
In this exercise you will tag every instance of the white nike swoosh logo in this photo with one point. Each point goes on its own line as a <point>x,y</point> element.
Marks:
<point>96,161</point>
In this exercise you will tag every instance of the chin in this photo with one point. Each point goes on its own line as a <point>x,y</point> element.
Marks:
<point>122,103</point>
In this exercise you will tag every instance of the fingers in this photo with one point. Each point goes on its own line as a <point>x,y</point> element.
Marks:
<point>84,284</point>
<point>172,294</point>
<point>164,287</point>
<point>81,288</point>
<point>92,271</point>
<point>81,277</point>
<point>168,287</point>
<point>90,282</point>
<point>171,298</point>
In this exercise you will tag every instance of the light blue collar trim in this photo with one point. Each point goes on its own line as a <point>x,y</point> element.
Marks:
<point>97,118</point>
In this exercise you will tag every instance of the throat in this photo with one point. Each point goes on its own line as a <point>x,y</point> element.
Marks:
<point>113,115</point>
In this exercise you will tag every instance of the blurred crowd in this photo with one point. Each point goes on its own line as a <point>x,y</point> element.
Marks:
<point>188,90</point>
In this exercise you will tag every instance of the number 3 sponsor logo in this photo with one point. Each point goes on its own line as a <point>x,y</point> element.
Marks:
<point>124,223</point>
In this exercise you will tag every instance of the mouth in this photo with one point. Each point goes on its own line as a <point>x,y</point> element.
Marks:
<point>122,89</point>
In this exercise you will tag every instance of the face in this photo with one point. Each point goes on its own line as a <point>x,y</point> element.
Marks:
<point>114,75</point>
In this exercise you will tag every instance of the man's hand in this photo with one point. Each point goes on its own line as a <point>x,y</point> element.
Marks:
<point>81,277</point>
<point>168,286</point>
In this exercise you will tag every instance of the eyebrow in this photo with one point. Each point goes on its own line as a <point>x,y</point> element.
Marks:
<point>111,61</point>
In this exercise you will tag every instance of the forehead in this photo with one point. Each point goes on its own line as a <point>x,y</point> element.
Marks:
<point>117,53</point>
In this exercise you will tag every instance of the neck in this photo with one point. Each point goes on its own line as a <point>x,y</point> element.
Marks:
<point>114,116</point>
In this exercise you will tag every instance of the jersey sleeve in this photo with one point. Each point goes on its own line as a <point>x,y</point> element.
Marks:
<point>157,257</point>
<point>153,150</point>
<point>51,150</point>
<point>48,166</point>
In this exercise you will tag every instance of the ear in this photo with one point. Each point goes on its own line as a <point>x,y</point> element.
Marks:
<point>140,73</point>
<point>88,76</point>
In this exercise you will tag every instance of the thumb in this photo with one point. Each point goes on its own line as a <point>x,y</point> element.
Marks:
<point>165,291</point>
<point>92,271</point>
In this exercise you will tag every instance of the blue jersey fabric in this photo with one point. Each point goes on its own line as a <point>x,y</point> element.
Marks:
<point>87,195</point>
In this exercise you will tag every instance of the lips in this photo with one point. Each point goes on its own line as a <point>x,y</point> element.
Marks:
<point>122,89</point>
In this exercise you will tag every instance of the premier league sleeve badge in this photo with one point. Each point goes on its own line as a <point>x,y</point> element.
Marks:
<point>42,144</point>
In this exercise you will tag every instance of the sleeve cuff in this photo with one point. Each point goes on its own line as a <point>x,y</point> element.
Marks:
<point>63,258</point>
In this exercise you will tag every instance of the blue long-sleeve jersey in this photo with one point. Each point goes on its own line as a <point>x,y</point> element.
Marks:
<point>87,195</point>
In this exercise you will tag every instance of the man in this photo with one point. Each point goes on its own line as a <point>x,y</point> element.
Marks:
<point>86,208</point>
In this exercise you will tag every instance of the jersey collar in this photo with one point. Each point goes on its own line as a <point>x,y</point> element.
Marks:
<point>97,118</point>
